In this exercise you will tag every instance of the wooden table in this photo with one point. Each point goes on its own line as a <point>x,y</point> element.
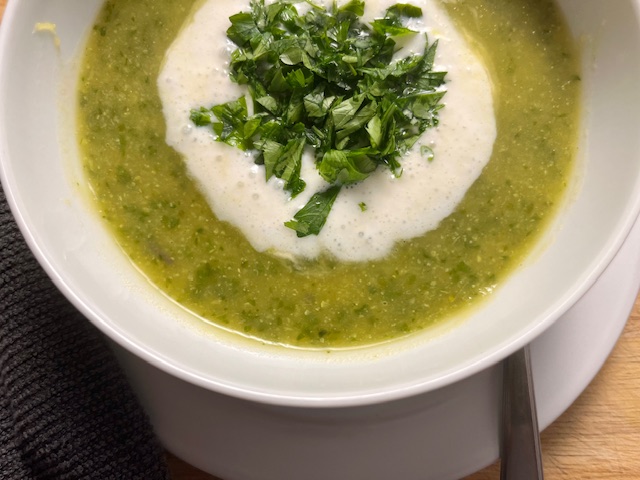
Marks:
<point>597,438</point>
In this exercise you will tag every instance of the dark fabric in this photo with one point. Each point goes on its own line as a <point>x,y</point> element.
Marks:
<point>66,409</point>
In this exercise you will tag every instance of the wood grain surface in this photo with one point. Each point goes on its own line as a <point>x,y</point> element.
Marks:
<point>597,438</point>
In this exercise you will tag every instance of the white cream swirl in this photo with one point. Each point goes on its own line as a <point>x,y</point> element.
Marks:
<point>194,74</point>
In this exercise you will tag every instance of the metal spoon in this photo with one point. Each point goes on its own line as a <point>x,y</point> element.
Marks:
<point>521,457</point>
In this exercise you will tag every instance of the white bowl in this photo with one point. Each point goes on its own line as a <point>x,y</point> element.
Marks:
<point>45,187</point>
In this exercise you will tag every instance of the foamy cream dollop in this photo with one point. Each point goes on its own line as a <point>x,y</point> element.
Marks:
<point>195,74</point>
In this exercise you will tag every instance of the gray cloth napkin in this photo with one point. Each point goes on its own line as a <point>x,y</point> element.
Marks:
<point>66,409</point>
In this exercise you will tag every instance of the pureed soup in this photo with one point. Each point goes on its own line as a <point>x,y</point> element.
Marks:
<point>163,201</point>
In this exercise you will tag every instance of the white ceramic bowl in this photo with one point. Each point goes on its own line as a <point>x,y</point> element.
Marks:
<point>44,185</point>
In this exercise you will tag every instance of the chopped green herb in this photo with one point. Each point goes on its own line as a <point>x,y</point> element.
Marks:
<point>325,80</point>
<point>363,206</point>
<point>427,152</point>
<point>311,218</point>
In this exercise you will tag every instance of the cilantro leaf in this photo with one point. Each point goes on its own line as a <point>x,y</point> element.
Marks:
<point>284,161</point>
<point>354,6</point>
<point>311,218</point>
<point>243,28</point>
<point>344,167</point>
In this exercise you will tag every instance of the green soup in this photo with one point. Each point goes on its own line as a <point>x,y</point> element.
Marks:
<point>166,227</point>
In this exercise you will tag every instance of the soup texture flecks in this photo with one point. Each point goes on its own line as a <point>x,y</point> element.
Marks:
<point>195,74</point>
<point>175,231</point>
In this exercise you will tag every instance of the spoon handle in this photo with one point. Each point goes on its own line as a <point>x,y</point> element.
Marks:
<point>521,455</point>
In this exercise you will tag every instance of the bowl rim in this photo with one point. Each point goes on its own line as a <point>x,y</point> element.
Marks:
<point>463,370</point>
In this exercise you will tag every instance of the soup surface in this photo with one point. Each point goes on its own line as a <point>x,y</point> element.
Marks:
<point>164,222</point>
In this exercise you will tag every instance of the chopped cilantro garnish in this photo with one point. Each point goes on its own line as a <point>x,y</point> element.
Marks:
<point>325,80</point>
<point>311,218</point>
<point>427,152</point>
